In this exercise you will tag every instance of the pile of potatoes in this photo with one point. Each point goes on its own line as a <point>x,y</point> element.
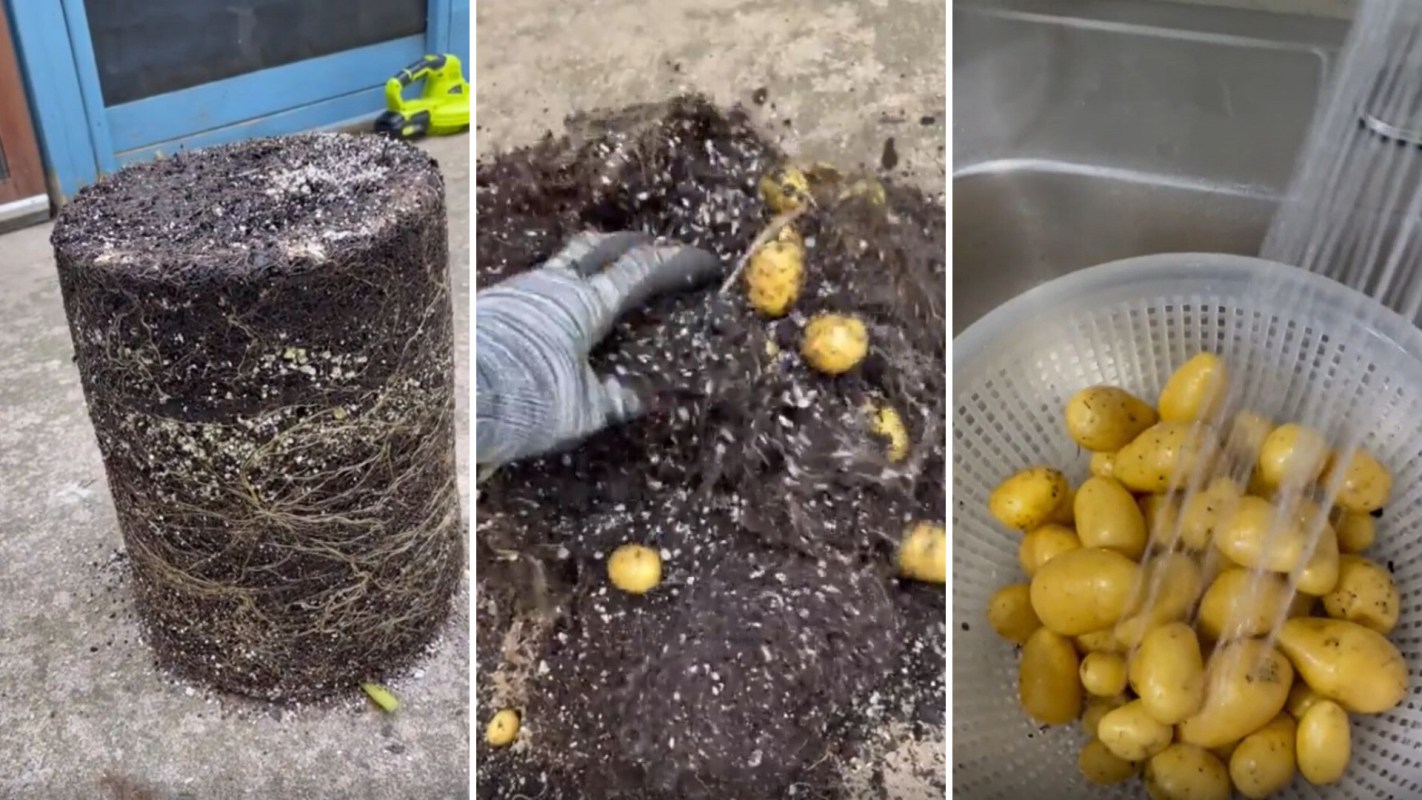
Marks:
<point>1211,640</point>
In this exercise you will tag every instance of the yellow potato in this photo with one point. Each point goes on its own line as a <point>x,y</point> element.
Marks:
<point>1356,532</point>
<point>502,728</point>
<point>1101,767</point>
<point>923,553</point>
<point>774,277</point>
<point>1027,499</point>
<point>1104,419</point>
<point>785,189</point>
<point>1257,487</point>
<point>1132,734</point>
<point>1083,590</point>
<point>1041,545</point>
<point>885,422</point>
<point>1048,685</point>
<point>1066,510</point>
<point>1224,752</point>
<point>1102,464</point>
<point>1264,762</point>
<point>1292,454</point>
<point>1166,589</point>
<point>834,343</point>
<point>1301,699</point>
<point>1246,437</point>
<point>1102,641</point>
<point>1343,661</point>
<point>1098,707</point>
<point>1186,772</point>
<point>1324,743</point>
<point>1164,456</point>
<point>1241,603</point>
<point>1195,391</point>
<point>634,569</point>
<point>1320,574</point>
<point>1010,613</point>
<point>1162,517</point>
<point>1259,535</point>
<point>1247,683</point>
<point>1365,594</point>
<point>1167,673</point>
<point>1204,511</point>
<point>1103,674</point>
<point>1367,484</point>
<point>1107,516</point>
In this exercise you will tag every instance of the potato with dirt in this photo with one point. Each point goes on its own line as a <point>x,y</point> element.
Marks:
<point>1365,485</point>
<point>775,275</point>
<point>834,343</point>
<point>1346,662</point>
<point>1247,683</point>
<point>1104,419</point>
<point>1365,594</point>
<point>923,554</point>
<point>1029,498</point>
<point>1164,456</point>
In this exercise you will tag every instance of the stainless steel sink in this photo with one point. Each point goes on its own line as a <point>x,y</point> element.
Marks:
<point>1087,131</point>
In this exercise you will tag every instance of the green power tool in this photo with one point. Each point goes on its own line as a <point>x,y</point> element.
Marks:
<point>442,107</point>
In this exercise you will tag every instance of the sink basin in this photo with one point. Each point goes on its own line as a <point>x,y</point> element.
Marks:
<point>1088,131</point>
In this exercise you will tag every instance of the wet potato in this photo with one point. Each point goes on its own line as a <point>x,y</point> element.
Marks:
<point>1172,675</point>
<point>1029,498</point>
<point>1105,418</point>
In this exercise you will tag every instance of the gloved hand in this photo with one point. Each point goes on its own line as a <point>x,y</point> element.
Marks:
<point>535,392</point>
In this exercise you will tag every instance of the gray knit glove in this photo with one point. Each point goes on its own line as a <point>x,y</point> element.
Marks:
<point>534,390</point>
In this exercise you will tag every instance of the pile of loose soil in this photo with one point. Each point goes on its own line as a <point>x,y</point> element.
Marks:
<point>780,638</point>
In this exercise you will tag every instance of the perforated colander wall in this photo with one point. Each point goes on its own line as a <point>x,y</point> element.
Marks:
<point>1301,351</point>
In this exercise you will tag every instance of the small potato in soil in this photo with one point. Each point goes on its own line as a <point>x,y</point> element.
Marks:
<point>502,729</point>
<point>834,343</point>
<point>774,277</point>
<point>923,556</point>
<point>884,421</point>
<point>634,569</point>
<point>784,190</point>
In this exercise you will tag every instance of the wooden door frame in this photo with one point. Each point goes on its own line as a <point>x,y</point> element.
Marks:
<point>17,133</point>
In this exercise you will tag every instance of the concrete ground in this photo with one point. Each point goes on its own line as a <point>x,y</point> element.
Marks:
<point>841,77</point>
<point>83,714</point>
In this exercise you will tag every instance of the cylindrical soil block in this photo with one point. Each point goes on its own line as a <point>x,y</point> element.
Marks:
<point>265,337</point>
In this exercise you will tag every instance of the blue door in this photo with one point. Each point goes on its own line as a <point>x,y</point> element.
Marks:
<point>114,81</point>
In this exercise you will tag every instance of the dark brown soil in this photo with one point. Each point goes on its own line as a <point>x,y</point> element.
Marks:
<point>265,339</point>
<point>779,635</point>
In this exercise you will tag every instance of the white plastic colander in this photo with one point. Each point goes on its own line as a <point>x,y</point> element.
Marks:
<point>1130,323</point>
